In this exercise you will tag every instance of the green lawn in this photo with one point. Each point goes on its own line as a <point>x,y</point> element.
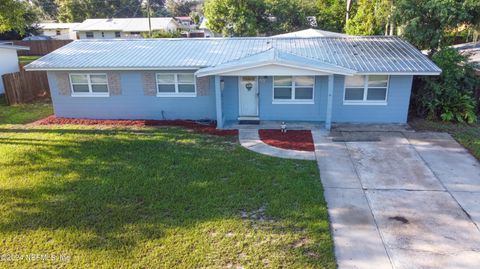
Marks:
<point>21,114</point>
<point>27,59</point>
<point>156,198</point>
<point>467,135</point>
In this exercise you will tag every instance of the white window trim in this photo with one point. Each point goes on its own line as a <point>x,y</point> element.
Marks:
<point>90,93</point>
<point>292,101</point>
<point>177,93</point>
<point>366,102</point>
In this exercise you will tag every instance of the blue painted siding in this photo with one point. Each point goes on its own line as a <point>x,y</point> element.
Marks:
<point>396,110</point>
<point>132,103</point>
<point>293,112</point>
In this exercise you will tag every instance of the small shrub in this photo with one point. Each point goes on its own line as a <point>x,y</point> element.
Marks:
<point>449,97</point>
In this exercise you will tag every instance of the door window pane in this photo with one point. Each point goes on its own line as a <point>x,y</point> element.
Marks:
<point>377,94</point>
<point>283,81</point>
<point>304,93</point>
<point>354,94</point>
<point>282,93</point>
<point>354,81</point>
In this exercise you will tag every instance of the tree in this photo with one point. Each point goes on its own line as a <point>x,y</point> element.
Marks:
<point>426,23</point>
<point>236,18</point>
<point>17,16</point>
<point>180,7</point>
<point>331,15</point>
<point>370,18</point>
<point>449,96</point>
<point>48,8</point>
<point>285,16</point>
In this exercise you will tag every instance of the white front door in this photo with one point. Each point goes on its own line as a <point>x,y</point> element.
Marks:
<point>248,96</point>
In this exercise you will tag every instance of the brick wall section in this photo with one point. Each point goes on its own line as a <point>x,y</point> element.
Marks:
<point>114,83</point>
<point>203,84</point>
<point>149,84</point>
<point>63,83</point>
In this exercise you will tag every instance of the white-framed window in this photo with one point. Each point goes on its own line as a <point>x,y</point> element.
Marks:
<point>293,90</point>
<point>176,84</point>
<point>89,34</point>
<point>117,35</point>
<point>89,85</point>
<point>366,90</point>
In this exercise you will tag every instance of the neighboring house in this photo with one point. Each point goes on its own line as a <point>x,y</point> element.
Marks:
<point>207,32</point>
<point>123,27</point>
<point>57,30</point>
<point>312,33</point>
<point>186,22</point>
<point>9,60</point>
<point>324,80</point>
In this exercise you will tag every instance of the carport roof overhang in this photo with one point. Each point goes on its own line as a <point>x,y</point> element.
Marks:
<point>274,62</point>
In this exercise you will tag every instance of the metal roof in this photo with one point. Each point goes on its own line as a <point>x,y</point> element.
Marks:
<point>311,33</point>
<point>376,54</point>
<point>125,24</point>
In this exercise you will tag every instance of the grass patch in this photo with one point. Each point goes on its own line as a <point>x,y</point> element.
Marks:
<point>467,135</point>
<point>156,198</point>
<point>21,114</point>
<point>24,60</point>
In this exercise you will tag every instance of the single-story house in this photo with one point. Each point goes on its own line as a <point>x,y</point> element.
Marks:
<point>124,27</point>
<point>57,30</point>
<point>323,79</point>
<point>8,60</point>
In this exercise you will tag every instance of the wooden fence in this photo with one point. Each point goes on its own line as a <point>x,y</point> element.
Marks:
<point>24,87</point>
<point>39,47</point>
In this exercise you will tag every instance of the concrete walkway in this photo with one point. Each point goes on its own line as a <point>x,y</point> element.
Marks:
<point>250,139</point>
<point>409,200</point>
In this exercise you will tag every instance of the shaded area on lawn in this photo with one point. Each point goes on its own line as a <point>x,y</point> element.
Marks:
<point>206,127</point>
<point>467,135</point>
<point>25,113</point>
<point>157,198</point>
<point>292,139</point>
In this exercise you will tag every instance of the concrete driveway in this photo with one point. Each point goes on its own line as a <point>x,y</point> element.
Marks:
<point>401,199</point>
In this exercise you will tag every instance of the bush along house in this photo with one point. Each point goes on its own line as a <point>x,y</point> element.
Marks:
<point>321,80</point>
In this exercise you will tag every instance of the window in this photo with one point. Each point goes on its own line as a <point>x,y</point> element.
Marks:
<point>179,84</point>
<point>58,32</point>
<point>103,34</point>
<point>89,34</point>
<point>135,33</point>
<point>293,89</point>
<point>89,85</point>
<point>366,90</point>
<point>117,34</point>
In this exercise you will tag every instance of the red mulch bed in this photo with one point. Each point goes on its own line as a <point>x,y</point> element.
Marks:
<point>292,139</point>
<point>207,128</point>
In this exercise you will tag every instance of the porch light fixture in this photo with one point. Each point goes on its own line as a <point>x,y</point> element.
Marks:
<point>249,86</point>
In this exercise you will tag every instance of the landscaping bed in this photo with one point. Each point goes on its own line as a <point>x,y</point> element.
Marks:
<point>293,139</point>
<point>207,127</point>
